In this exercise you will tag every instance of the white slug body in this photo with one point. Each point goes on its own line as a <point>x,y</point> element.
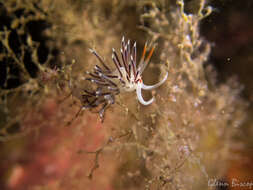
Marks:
<point>137,84</point>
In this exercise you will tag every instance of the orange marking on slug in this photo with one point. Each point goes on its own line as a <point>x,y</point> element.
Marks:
<point>144,51</point>
<point>150,54</point>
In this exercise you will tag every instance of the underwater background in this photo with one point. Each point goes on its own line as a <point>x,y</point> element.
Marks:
<point>197,134</point>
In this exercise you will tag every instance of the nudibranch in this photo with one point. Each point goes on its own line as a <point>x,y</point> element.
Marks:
<point>126,77</point>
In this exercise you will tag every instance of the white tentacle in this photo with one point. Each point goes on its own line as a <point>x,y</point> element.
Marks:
<point>140,98</point>
<point>150,87</point>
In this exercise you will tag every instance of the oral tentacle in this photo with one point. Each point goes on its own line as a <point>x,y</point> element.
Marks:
<point>140,98</point>
<point>150,87</point>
